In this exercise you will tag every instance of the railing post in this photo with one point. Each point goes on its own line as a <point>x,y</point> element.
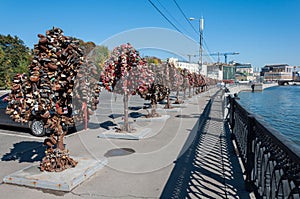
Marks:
<point>250,154</point>
<point>231,116</point>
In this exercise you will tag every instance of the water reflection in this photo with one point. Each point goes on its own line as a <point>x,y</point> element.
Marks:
<point>279,106</point>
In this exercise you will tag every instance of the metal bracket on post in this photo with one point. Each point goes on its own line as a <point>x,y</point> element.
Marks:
<point>250,154</point>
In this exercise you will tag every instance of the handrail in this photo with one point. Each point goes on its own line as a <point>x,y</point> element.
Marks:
<point>271,161</point>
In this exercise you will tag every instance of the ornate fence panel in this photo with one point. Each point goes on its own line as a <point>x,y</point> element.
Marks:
<point>271,161</point>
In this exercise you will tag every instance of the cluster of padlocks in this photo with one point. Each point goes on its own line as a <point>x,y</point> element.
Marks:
<point>59,89</point>
<point>86,92</point>
<point>126,71</point>
<point>48,91</point>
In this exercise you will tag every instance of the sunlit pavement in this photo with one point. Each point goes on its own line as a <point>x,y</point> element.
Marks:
<point>144,167</point>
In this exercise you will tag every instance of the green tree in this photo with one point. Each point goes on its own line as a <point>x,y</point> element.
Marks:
<point>96,54</point>
<point>1,55</point>
<point>22,65</point>
<point>153,60</point>
<point>99,55</point>
<point>2,82</point>
<point>15,58</point>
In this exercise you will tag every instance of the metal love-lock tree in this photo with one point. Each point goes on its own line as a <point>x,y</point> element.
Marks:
<point>86,93</point>
<point>126,73</point>
<point>47,94</point>
<point>197,83</point>
<point>185,84</point>
<point>176,82</point>
<point>191,82</point>
<point>156,91</point>
<point>172,80</point>
<point>202,83</point>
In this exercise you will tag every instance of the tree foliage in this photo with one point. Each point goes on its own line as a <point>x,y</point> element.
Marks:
<point>1,54</point>
<point>153,60</point>
<point>14,58</point>
<point>93,53</point>
<point>99,55</point>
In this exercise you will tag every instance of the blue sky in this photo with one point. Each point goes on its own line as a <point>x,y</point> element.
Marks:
<point>262,31</point>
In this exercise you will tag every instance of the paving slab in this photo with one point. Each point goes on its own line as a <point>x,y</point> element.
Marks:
<point>153,119</point>
<point>166,110</point>
<point>171,109</point>
<point>137,134</point>
<point>66,180</point>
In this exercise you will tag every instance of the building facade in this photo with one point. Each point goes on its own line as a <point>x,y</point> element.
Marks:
<point>277,72</point>
<point>192,67</point>
<point>244,72</point>
<point>221,72</point>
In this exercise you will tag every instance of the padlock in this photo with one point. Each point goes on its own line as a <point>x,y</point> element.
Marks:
<point>65,110</point>
<point>46,114</point>
<point>36,107</point>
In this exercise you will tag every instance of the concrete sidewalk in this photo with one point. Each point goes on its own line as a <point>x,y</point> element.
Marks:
<point>188,155</point>
<point>209,168</point>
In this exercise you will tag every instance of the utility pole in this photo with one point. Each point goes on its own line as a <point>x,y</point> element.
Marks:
<point>201,27</point>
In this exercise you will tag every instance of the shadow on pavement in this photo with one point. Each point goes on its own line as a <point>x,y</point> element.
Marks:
<point>135,108</point>
<point>197,174</point>
<point>26,151</point>
<point>16,129</point>
<point>119,152</point>
<point>107,124</point>
<point>188,116</point>
<point>81,127</point>
<point>115,116</point>
<point>136,115</point>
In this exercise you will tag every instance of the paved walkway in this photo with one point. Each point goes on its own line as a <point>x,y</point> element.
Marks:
<point>190,155</point>
<point>209,168</point>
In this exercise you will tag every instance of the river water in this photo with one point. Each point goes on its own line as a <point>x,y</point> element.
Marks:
<point>279,106</point>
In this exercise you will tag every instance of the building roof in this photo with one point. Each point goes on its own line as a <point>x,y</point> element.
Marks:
<point>275,65</point>
<point>243,65</point>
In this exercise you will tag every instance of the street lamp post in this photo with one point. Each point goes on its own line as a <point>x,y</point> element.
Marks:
<point>201,26</point>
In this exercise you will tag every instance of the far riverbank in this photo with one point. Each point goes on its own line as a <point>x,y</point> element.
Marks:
<point>236,88</point>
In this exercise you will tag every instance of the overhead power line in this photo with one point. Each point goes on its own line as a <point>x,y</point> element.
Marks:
<point>197,32</point>
<point>170,22</point>
<point>174,19</point>
<point>188,20</point>
<point>164,16</point>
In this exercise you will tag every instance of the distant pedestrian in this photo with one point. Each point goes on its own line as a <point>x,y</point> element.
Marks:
<point>235,95</point>
<point>252,87</point>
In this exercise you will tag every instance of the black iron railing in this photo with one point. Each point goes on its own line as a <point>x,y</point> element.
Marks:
<point>271,161</point>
